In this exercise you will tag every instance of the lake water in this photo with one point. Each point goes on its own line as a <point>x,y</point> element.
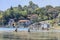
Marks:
<point>13,29</point>
<point>26,29</point>
<point>9,35</point>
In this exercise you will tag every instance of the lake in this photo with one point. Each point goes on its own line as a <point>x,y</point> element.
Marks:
<point>13,29</point>
<point>8,34</point>
<point>26,29</point>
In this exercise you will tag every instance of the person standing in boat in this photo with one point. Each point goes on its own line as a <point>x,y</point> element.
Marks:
<point>16,30</point>
<point>28,29</point>
<point>13,25</point>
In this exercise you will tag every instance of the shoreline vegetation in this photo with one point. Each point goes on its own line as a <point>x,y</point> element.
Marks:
<point>31,13</point>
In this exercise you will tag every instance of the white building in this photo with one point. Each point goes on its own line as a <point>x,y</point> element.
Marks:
<point>40,26</point>
<point>11,22</point>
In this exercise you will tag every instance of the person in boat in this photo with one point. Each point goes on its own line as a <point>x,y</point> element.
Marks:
<point>16,30</point>
<point>13,25</point>
<point>29,30</point>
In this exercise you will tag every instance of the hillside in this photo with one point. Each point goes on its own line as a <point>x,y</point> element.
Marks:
<point>32,12</point>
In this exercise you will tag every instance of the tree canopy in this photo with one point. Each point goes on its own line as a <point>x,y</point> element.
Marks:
<point>44,13</point>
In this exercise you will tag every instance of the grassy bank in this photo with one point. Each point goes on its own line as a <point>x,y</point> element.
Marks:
<point>23,35</point>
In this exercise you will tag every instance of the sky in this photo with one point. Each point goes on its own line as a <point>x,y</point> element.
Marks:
<point>5,4</point>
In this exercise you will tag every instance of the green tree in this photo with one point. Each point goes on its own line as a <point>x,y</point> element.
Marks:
<point>19,7</point>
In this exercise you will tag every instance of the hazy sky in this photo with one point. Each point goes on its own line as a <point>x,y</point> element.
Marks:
<point>5,4</point>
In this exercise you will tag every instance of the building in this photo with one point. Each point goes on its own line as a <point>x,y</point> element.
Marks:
<point>45,26</point>
<point>40,26</point>
<point>33,16</point>
<point>24,23</point>
<point>11,23</point>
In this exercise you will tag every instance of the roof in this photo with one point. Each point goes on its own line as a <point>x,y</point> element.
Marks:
<point>33,15</point>
<point>52,9</point>
<point>23,20</point>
